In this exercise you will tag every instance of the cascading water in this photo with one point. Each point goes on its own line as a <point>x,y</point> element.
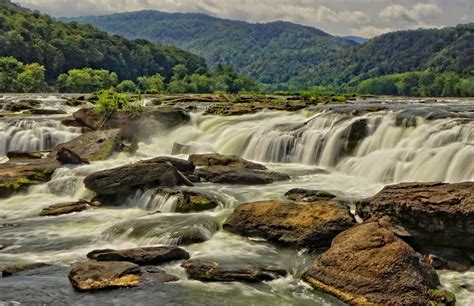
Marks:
<point>360,153</point>
<point>30,135</point>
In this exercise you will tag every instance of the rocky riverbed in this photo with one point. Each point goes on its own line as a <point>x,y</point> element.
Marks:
<point>211,200</point>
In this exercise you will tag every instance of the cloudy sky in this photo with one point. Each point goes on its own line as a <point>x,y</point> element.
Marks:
<point>340,17</point>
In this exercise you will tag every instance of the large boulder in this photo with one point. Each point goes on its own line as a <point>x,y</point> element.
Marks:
<point>212,271</point>
<point>94,275</point>
<point>141,256</point>
<point>309,225</point>
<point>369,265</point>
<point>142,125</point>
<point>231,161</point>
<point>129,178</point>
<point>426,214</point>
<point>89,147</point>
<point>304,195</point>
<point>239,176</point>
<point>65,208</point>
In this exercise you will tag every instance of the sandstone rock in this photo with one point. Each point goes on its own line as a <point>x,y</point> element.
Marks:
<point>311,225</point>
<point>11,271</point>
<point>426,214</point>
<point>239,176</point>
<point>446,258</point>
<point>304,195</point>
<point>69,157</point>
<point>65,208</point>
<point>93,146</point>
<point>129,178</point>
<point>93,275</point>
<point>231,161</point>
<point>141,256</point>
<point>213,271</point>
<point>369,265</point>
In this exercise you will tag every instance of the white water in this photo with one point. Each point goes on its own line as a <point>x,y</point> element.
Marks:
<point>295,143</point>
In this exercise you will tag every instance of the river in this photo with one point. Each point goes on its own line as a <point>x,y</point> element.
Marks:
<point>308,145</point>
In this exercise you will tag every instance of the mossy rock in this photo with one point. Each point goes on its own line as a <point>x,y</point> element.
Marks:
<point>442,298</point>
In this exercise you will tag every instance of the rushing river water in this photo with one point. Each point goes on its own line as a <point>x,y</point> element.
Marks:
<point>300,144</point>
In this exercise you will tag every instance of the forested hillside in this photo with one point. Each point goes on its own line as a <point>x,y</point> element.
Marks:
<point>437,50</point>
<point>271,52</point>
<point>32,37</point>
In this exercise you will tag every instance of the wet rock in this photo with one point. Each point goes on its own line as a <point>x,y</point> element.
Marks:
<point>129,178</point>
<point>21,105</point>
<point>242,176</point>
<point>180,149</point>
<point>213,271</point>
<point>141,126</point>
<point>304,195</point>
<point>23,155</point>
<point>16,178</point>
<point>11,271</point>
<point>94,275</point>
<point>46,112</point>
<point>65,208</point>
<point>180,164</point>
<point>69,157</point>
<point>355,133</point>
<point>189,235</point>
<point>230,161</point>
<point>311,225</point>
<point>158,275</point>
<point>189,201</point>
<point>369,264</point>
<point>447,259</point>
<point>141,256</point>
<point>93,146</point>
<point>426,214</point>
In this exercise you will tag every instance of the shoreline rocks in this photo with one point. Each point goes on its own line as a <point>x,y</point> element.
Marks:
<point>309,225</point>
<point>426,214</point>
<point>369,264</point>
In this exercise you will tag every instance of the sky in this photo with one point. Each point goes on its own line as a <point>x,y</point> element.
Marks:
<point>366,18</point>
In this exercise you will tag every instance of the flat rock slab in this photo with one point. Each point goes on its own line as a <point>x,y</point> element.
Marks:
<point>369,265</point>
<point>239,176</point>
<point>213,271</point>
<point>65,208</point>
<point>94,275</point>
<point>232,161</point>
<point>141,256</point>
<point>426,214</point>
<point>311,225</point>
<point>127,179</point>
<point>304,195</point>
<point>11,271</point>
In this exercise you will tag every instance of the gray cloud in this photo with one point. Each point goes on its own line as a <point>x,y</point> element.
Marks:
<point>341,17</point>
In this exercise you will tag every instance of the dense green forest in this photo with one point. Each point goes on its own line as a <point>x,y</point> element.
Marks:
<point>438,50</point>
<point>32,37</point>
<point>270,53</point>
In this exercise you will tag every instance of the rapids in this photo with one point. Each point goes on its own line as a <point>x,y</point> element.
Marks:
<point>350,155</point>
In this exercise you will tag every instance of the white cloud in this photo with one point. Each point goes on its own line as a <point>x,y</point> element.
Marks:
<point>414,14</point>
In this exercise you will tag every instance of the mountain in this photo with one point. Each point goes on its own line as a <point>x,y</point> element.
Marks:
<point>269,52</point>
<point>449,49</point>
<point>358,40</point>
<point>31,37</point>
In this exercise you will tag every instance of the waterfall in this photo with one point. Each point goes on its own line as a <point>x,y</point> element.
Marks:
<point>29,135</point>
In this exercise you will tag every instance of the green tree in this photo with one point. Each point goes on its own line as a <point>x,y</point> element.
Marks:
<point>87,80</point>
<point>127,86</point>
<point>152,84</point>
<point>466,87</point>
<point>9,70</point>
<point>32,79</point>
<point>179,86</point>
<point>200,83</point>
<point>179,72</point>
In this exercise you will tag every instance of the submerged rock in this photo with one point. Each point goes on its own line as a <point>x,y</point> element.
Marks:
<point>94,275</point>
<point>129,178</point>
<point>231,161</point>
<point>369,265</point>
<point>23,155</point>
<point>311,225</point>
<point>158,275</point>
<point>189,201</point>
<point>239,176</point>
<point>426,213</point>
<point>141,256</point>
<point>189,235</point>
<point>213,271</point>
<point>11,271</point>
<point>46,112</point>
<point>91,146</point>
<point>304,195</point>
<point>65,208</point>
